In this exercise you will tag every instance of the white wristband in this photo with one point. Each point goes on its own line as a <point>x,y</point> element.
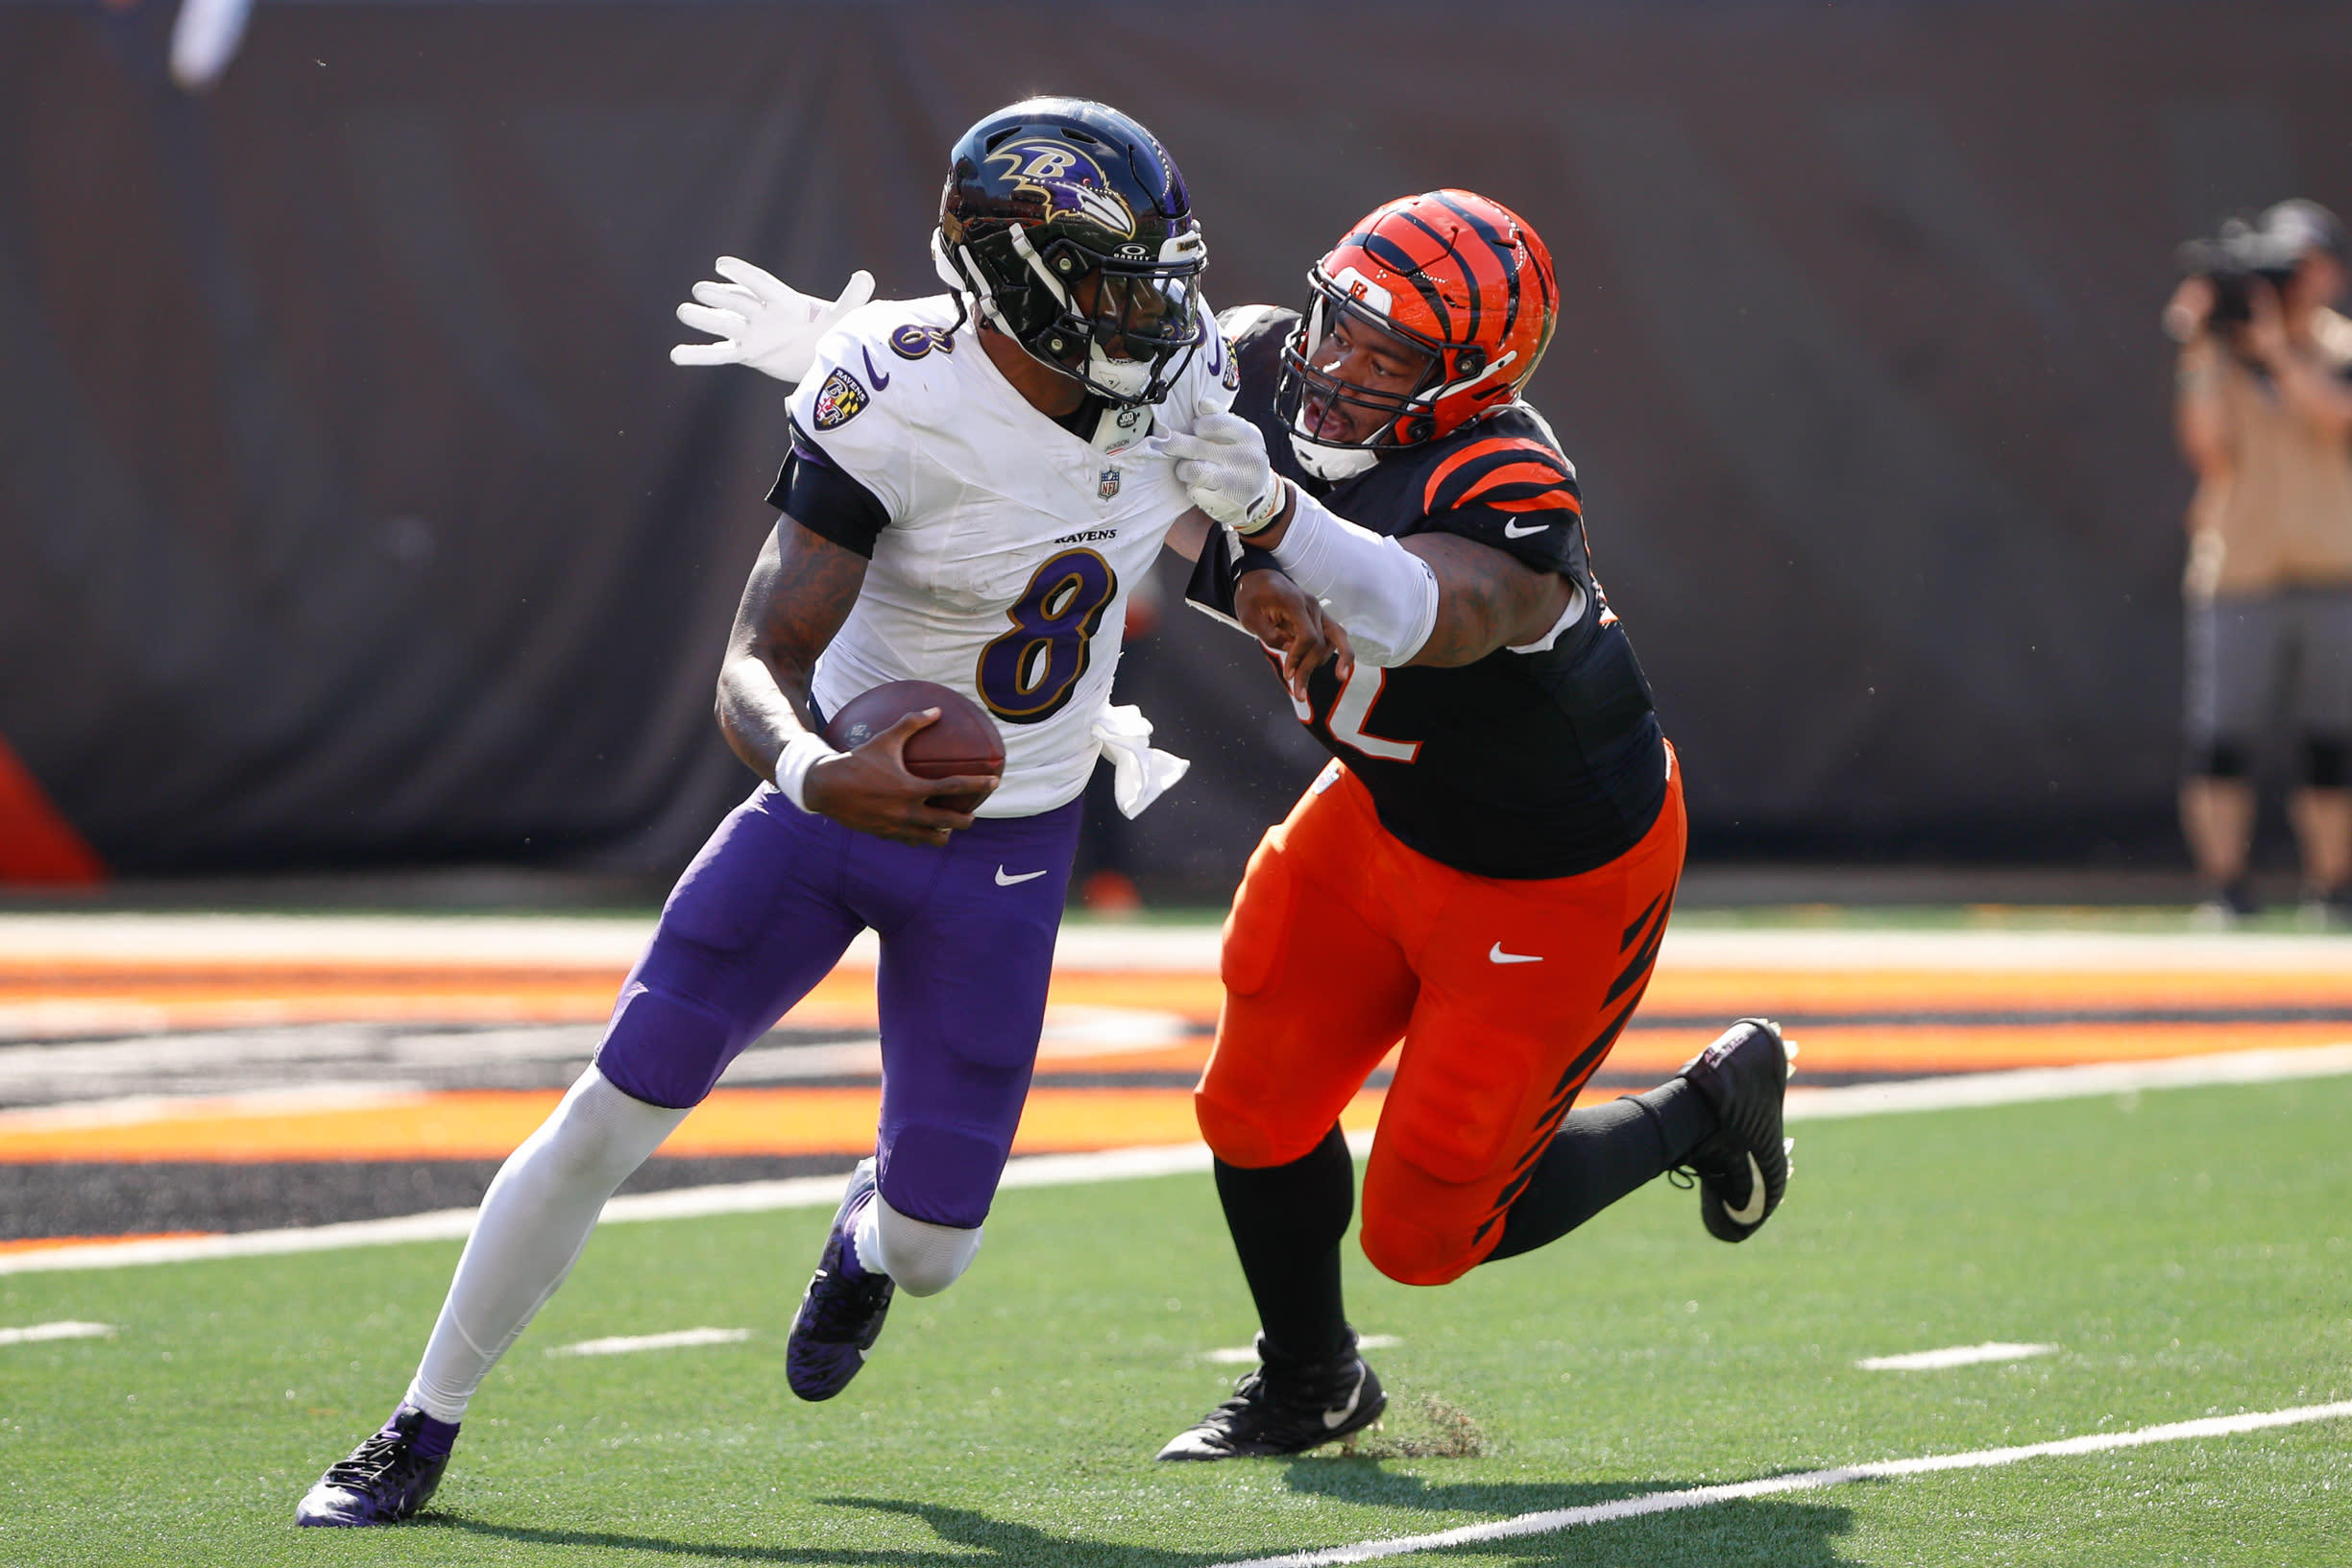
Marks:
<point>1261,513</point>
<point>803,752</point>
<point>1382,592</point>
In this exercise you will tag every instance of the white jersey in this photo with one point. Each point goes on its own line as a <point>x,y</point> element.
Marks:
<point>1011,545</point>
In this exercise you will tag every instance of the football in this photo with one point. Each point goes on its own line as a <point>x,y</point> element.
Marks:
<point>964,740</point>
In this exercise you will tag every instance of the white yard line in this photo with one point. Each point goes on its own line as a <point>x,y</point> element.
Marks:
<point>1700,1497</point>
<point>1935,1360</point>
<point>35,1333</point>
<point>1179,1159</point>
<point>621,1345</point>
<point>2025,1085</point>
<point>1247,1355</point>
<point>599,942</point>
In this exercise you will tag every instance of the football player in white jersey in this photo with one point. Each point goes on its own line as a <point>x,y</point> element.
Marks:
<point>974,485</point>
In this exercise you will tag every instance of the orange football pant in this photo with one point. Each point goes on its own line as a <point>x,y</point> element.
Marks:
<point>1507,996</point>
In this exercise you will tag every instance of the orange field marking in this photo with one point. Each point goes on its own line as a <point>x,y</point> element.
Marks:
<point>48,1243</point>
<point>487,1123</point>
<point>91,996</point>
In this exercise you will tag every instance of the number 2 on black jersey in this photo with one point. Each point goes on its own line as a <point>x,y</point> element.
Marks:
<point>1351,714</point>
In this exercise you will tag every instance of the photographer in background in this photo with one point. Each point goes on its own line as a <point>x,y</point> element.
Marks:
<point>2264,414</point>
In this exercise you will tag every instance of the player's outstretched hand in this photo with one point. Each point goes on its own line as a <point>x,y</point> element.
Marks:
<point>1223,464</point>
<point>1286,618</point>
<point>869,789</point>
<point>763,322</point>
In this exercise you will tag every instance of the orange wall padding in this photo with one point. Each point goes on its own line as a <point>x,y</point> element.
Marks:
<point>38,847</point>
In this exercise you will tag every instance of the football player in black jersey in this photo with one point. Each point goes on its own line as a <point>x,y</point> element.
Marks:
<point>1485,868</point>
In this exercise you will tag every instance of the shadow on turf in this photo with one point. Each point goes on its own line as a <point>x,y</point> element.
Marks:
<point>1787,1534</point>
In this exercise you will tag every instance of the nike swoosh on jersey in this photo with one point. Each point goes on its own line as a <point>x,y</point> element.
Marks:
<point>1003,880</point>
<point>1496,955</point>
<point>1333,1418</point>
<point>881,379</point>
<point>1511,530</point>
<point>1755,1210</point>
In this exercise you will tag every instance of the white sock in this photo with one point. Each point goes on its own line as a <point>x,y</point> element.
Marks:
<point>533,1222</point>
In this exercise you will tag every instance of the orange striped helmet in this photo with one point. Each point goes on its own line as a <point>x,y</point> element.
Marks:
<point>1454,274</point>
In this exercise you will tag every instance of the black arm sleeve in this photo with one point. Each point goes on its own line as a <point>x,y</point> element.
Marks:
<point>827,501</point>
<point>1218,573</point>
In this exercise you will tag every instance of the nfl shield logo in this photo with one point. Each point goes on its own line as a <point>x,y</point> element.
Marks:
<point>1109,486</point>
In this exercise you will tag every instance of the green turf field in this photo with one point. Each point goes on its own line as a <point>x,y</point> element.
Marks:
<point>2188,1250</point>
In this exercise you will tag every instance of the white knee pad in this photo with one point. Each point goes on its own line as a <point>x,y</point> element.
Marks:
<point>922,1258</point>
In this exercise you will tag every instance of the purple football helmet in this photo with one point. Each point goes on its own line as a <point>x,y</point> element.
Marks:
<point>1070,229</point>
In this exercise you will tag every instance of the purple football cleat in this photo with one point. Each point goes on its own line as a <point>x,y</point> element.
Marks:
<point>386,1478</point>
<point>840,1313</point>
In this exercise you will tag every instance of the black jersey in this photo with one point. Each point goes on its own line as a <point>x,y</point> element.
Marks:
<point>1524,765</point>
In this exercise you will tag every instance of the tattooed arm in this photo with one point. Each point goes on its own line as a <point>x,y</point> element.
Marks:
<point>800,592</point>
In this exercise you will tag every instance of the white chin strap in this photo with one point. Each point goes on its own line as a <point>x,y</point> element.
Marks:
<point>1332,464</point>
<point>1125,377</point>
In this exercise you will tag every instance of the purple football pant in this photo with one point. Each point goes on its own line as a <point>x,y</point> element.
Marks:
<point>967,947</point>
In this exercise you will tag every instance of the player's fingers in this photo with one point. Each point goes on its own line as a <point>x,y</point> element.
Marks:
<point>719,323</point>
<point>724,352</point>
<point>981,785</point>
<point>929,818</point>
<point>729,297</point>
<point>908,724</point>
<point>1342,651</point>
<point>1220,428</point>
<point>892,741</point>
<point>758,281</point>
<point>857,292</point>
<point>1184,449</point>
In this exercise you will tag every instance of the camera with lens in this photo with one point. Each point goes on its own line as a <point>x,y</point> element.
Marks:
<point>2234,260</point>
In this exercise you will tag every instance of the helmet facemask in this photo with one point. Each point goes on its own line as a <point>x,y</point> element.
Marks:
<point>1122,322</point>
<point>1448,274</point>
<point>1121,327</point>
<point>1309,399</point>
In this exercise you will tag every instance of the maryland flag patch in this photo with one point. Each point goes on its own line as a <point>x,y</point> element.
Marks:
<point>839,401</point>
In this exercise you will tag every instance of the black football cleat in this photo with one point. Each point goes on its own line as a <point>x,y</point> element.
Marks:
<point>384,1481</point>
<point>1743,1165</point>
<point>841,1312</point>
<point>1283,1408</point>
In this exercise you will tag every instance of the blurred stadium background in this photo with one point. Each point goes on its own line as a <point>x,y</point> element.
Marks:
<point>364,567</point>
<point>361,547</point>
<point>356,520</point>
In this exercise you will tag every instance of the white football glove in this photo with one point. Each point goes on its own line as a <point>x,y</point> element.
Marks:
<point>1223,464</point>
<point>763,322</point>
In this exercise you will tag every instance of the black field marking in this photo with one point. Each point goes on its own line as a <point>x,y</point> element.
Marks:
<point>92,1199</point>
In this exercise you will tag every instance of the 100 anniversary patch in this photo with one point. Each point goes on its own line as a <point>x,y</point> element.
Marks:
<point>839,401</point>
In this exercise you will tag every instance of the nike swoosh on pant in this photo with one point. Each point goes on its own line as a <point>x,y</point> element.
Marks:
<point>1333,1418</point>
<point>1003,880</point>
<point>1496,955</point>
<point>1511,530</point>
<point>1755,1209</point>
